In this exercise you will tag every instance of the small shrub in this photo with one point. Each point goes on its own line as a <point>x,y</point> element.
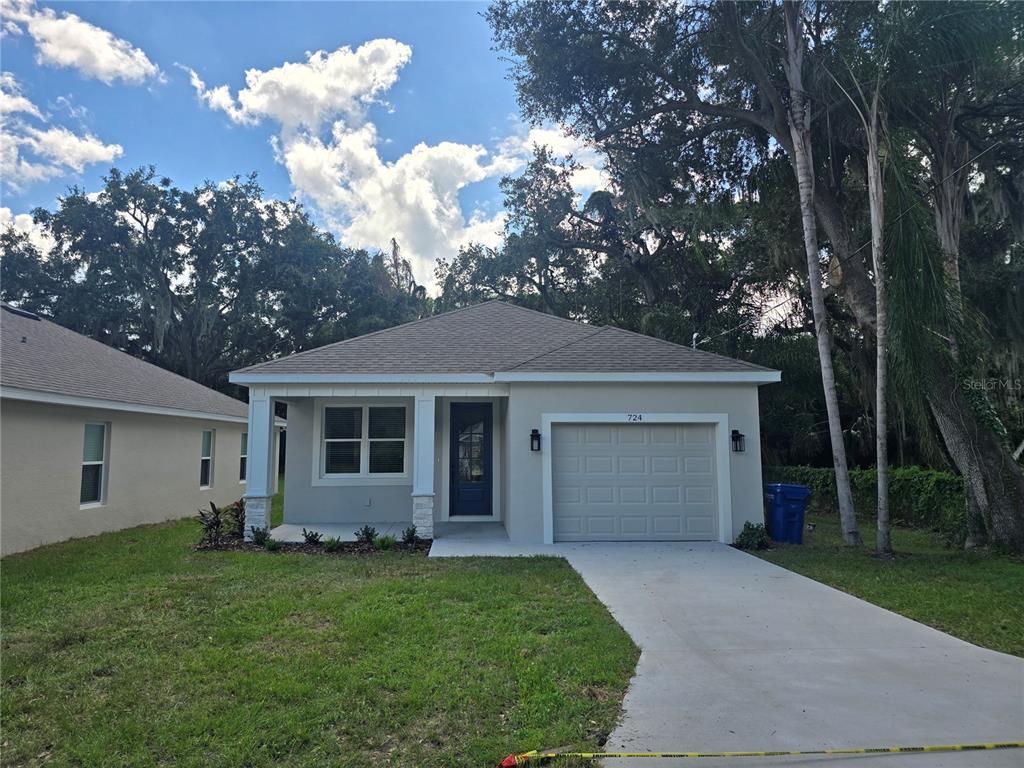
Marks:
<point>212,522</point>
<point>409,536</point>
<point>366,534</point>
<point>753,536</point>
<point>272,545</point>
<point>333,544</point>
<point>235,523</point>
<point>384,542</point>
<point>311,537</point>
<point>260,536</point>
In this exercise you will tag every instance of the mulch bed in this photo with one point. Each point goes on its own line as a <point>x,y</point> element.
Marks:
<point>421,547</point>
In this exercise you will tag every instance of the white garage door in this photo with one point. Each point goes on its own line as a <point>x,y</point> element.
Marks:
<point>634,482</point>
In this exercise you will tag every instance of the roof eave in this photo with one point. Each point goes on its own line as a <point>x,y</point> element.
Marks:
<point>78,401</point>
<point>695,377</point>
<point>642,377</point>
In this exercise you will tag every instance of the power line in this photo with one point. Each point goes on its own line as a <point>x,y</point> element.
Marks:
<point>863,245</point>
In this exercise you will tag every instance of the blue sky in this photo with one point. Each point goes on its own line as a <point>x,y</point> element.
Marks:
<point>401,125</point>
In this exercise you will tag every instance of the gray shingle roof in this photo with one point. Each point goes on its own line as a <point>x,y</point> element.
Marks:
<point>39,355</point>
<point>498,337</point>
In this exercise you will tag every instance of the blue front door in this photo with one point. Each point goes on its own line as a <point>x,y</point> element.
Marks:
<point>471,481</point>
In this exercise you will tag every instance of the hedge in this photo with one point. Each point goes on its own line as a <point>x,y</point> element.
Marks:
<point>918,497</point>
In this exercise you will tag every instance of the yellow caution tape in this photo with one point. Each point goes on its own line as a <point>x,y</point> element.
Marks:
<point>541,755</point>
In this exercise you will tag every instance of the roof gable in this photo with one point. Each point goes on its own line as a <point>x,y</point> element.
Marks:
<point>39,355</point>
<point>498,337</point>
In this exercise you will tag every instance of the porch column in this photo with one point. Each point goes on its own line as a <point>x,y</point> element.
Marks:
<point>259,471</point>
<point>423,467</point>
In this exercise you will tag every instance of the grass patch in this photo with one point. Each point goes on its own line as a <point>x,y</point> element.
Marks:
<point>132,649</point>
<point>975,595</point>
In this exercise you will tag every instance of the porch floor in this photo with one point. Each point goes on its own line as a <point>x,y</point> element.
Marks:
<point>342,531</point>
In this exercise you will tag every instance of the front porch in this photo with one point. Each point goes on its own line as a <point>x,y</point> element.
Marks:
<point>387,456</point>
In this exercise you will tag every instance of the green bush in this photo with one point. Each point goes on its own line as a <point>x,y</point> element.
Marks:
<point>918,497</point>
<point>212,522</point>
<point>311,537</point>
<point>272,545</point>
<point>409,536</point>
<point>366,534</point>
<point>333,544</point>
<point>235,519</point>
<point>384,542</point>
<point>753,536</point>
<point>260,536</point>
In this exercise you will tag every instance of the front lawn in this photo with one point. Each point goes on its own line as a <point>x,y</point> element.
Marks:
<point>132,649</point>
<point>977,596</point>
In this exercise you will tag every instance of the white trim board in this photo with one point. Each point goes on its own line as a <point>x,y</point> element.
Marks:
<point>720,377</point>
<point>722,457</point>
<point>52,398</point>
<point>705,377</point>
<point>360,378</point>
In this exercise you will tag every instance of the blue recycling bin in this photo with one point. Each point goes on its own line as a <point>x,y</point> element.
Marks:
<point>785,505</point>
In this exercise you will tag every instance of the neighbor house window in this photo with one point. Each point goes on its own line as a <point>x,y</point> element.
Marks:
<point>94,464</point>
<point>245,456</point>
<point>364,440</point>
<point>206,460</point>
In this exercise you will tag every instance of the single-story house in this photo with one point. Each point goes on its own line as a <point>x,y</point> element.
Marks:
<point>94,440</point>
<point>556,430</point>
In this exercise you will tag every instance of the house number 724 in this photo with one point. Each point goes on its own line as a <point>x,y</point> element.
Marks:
<point>634,417</point>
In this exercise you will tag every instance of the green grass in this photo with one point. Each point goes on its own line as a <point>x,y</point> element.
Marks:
<point>977,596</point>
<point>132,649</point>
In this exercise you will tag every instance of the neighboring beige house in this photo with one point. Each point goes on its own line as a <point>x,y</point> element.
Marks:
<point>500,421</point>
<point>93,439</point>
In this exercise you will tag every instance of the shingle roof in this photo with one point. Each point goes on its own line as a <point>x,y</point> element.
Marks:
<point>498,337</point>
<point>38,355</point>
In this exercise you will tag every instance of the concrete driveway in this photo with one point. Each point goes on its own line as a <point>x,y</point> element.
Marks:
<point>740,654</point>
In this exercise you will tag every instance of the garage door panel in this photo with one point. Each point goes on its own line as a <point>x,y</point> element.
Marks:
<point>634,482</point>
<point>664,465</point>
<point>668,525</point>
<point>632,465</point>
<point>598,435</point>
<point>629,495</point>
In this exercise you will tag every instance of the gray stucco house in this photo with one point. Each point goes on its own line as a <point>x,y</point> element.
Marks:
<point>94,440</point>
<point>556,430</point>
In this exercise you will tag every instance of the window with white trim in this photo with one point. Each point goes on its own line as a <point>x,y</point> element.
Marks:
<point>244,457</point>
<point>206,460</point>
<point>363,440</point>
<point>94,464</point>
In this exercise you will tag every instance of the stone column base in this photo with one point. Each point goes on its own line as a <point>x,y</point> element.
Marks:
<point>257,514</point>
<point>423,515</point>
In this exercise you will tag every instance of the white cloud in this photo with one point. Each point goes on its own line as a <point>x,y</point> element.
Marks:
<point>307,94</point>
<point>589,177</point>
<point>30,154</point>
<point>22,222</point>
<point>11,99</point>
<point>67,40</point>
<point>364,199</point>
<point>68,149</point>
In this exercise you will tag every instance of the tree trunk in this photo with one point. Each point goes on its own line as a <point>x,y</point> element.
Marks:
<point>883,537</point>
<point>993,481</point>
<point>799,125</point>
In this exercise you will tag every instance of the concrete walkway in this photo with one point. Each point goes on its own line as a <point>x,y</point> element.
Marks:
<point>740,654</point>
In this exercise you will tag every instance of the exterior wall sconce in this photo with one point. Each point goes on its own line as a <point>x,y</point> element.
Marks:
<point>739,441</point>
<point>535,440</point>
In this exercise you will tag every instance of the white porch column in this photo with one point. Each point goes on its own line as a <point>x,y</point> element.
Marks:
<point>259,480</point>
<point>423,467</point>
